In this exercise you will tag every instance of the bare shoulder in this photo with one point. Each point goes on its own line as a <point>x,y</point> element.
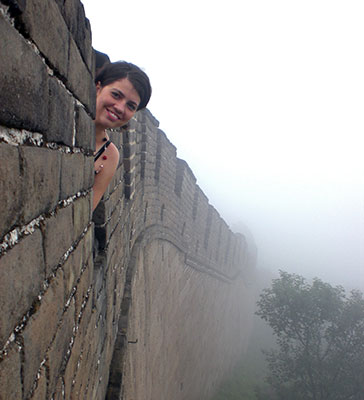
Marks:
<point>113,156</point>
<point>105,168</point>
<point>113,153</point>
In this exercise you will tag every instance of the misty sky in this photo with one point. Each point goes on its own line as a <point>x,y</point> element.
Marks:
<point>264,100</point>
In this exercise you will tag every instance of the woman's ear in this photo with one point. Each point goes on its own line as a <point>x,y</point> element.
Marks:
<point>98,87</point>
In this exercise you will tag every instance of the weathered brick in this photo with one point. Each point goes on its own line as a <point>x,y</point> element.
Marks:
<point>59,348</point>
<point>61,111</point>
<point>81,341</point>
<point>21,278</point>
<point>80,80</point>
<point>130,163</point>
<point>58,392</point>
<point>10,188</point>
<point>72,176</point>
<point>85,336</point>
<point>82,287</point>
<point>23,83</point>
<point>45,25</point>
<point>89,173</point>
<point>40,392</point>
<point>85,130</point>
<point>80,29</point>
<point>72,268</point>
<point>81,215</point>
<point>84,371</point>
<point>58,237</point>
<point>10,374</point>
<point>41,178</point>
<point>129,150</point>
<point>88,240</point>
<point>41,328</point>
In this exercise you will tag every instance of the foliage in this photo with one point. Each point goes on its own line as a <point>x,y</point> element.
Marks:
<point>243,382</point>
<point>247,379</point>
<point>320,338</point>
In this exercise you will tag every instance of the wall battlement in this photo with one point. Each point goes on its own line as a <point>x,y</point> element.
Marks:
<point>154,280</point>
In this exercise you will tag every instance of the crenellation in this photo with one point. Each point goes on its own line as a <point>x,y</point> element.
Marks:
<point>158,156</point>
<point>218,242</point>
<point>207,227</point>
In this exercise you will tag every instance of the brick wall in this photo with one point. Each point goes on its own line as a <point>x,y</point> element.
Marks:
<point>69,290</point>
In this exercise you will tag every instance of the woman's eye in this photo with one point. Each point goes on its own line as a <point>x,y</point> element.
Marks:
<point>131,107</point>
<point>116,95</point>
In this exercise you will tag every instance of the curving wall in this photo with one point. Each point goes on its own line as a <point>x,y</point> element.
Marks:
<point>152,296</point>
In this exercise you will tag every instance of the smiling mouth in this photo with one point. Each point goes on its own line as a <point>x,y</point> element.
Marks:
<point>112,115</point>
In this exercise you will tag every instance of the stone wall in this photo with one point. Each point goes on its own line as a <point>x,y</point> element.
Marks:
<point>148,298</point>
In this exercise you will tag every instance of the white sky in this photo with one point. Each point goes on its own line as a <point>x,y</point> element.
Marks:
<point>264,100</point>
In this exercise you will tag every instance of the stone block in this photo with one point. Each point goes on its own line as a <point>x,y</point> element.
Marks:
<point>89,174</point>
<point>10,188</point>
<point>80,29</point>
<point>21,279</point>
<point>45,25</point>
<point>80,80</point>
<point>71,269</point>
<point>40,189</point>
<point>129,163</point>
<point>81,215</point>
<point>72,174</point>
<point>114,200</point>
<point>89,242</point>
<point>85,130</point>
<point>81,341</point>
<point>40,392</point>
<point>85,370</point>
<point>129,150</point>
<point>58,236</point>
<point>41,329</point>
<point>82,288</point>
<point>23,83</point>
<point>61,115</point>
<point>10,374</point>
<point>58,351</point>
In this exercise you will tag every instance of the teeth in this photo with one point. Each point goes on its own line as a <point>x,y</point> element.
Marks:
<point>113,115</point>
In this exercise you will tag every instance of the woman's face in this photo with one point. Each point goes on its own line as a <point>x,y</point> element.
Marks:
<point>116,103</point>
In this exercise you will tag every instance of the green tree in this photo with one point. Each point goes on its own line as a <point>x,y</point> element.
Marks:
<point>320,339</point>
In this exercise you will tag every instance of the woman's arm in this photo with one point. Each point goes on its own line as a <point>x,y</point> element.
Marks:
<point>106,170</point>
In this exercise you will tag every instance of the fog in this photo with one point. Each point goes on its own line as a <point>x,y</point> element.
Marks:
<point>264,100</point>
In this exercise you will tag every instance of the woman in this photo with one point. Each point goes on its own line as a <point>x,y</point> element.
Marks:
<point>122,89</point>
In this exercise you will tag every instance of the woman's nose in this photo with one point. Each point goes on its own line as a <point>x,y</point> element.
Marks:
<point>120,106</point>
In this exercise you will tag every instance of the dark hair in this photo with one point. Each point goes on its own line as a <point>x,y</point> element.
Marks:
<point>111,72</point>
